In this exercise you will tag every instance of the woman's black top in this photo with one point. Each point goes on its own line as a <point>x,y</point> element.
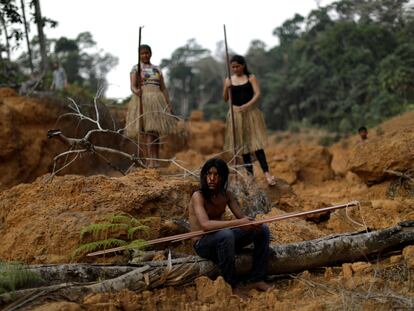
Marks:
<point>241,94</point>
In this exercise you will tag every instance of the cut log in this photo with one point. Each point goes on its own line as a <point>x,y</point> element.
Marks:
<point>289,258</point>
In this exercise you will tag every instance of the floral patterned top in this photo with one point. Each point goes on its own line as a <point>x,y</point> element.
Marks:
<point>150,74</point>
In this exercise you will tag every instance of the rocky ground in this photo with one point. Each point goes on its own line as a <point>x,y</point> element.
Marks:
<point>41,217</point>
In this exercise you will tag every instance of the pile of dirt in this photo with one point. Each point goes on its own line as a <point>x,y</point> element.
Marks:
<point>26,151</point>
<point>388,147</point>
<point>41,222</point>
<point>391,151</point>
<point>300,162</point>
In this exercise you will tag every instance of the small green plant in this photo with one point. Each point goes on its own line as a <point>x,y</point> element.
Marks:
<point>14,275</point>
<point>117,230</point>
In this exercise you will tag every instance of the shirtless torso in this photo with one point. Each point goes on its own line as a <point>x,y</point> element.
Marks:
<point>207,215</point>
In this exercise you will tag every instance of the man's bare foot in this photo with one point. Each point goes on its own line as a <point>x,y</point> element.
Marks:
<point>260,286</point>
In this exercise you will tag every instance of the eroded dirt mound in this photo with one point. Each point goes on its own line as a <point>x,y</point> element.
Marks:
<point>24,151</point>
<point>41,222</point>
<point>388,145</point>
<point>27,153</point>
<point>391,151</point>
<point>301,162</point>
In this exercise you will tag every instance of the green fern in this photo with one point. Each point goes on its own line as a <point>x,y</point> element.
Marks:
<point>97,245</point>
<point>103,232</point>
<point>137,244</point>
<point>98,229</point>
<point>141,228</point>
<point>14,275</point>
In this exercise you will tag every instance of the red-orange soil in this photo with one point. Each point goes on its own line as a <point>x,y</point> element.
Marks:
<point>41,218</point>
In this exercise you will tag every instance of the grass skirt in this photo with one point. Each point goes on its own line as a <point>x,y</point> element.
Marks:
<point>250,131</point>
<point>156,117</point>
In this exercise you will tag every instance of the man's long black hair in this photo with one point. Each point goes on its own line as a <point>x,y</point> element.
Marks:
<point>223,172</point>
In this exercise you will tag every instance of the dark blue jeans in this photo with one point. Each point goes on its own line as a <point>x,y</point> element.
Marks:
<point>222,246</point>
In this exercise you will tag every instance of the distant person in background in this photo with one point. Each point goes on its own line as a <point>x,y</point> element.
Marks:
<point>59,81</point>
<point>250,129</point>
<point>363,133</point>
<point>156,118</point>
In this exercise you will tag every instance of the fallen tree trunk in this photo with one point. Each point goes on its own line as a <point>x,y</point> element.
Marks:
<point>283,259</point>
<point>54,274</point>
<point>337,249</point>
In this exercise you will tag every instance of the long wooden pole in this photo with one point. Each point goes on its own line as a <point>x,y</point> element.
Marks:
<point>233,126</point>
<point>194,234</point>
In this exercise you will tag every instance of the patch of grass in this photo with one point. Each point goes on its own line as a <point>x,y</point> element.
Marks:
<point>14,275</point>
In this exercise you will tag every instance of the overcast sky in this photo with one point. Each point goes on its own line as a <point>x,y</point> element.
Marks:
<point>168,24</point>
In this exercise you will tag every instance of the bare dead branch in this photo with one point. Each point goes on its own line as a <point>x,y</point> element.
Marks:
<point>405,175</point>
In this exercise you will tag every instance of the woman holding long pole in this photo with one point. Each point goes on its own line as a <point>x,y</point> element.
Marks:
<point>149,109</point>
<point>249,126</point>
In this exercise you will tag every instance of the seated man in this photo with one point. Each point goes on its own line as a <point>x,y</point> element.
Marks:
<point>206,209</point>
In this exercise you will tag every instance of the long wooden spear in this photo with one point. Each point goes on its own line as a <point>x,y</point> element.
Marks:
<point>194,234</point>
<point>233,126</point>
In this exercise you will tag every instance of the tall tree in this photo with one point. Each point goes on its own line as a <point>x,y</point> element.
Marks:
<point>6,35</point>
<point>26,32</point>
<point>42,39</point>
<point>9,17</point>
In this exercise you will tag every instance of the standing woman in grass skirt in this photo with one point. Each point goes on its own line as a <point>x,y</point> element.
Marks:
<point>250,128</point>
<point>156,118</point>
